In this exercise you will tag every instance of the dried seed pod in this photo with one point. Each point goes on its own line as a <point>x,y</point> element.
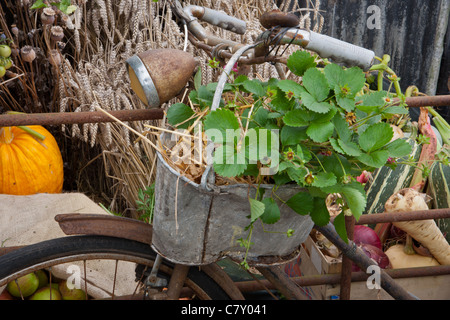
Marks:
<point>48,16</point>
<point>14,30</point>
<point>54,57</point>
<point>27,53</point>
<point>15,52</point>
<point>57,33</point>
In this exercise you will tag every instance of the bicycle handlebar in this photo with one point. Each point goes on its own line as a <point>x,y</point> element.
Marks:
<point>325,46</point>
<point>329,47</point>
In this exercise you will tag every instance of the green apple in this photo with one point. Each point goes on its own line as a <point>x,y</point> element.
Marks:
<point>46,293</point>
<point>43,278</point>
<point>28,284</point>
<point>71,294</point>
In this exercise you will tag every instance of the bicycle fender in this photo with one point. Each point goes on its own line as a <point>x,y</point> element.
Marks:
<point>105,225</point>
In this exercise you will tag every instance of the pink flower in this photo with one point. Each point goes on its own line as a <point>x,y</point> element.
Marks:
<point>364,177</point>
<point>235,68</point>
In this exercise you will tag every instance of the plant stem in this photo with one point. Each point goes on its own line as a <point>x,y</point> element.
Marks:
<point>32,132</point>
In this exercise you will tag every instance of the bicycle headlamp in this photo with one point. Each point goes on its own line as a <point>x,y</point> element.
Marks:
<point>158,75</point>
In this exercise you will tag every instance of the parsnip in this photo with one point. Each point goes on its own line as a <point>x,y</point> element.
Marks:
<point>424,231</point>
<point>399,259</point>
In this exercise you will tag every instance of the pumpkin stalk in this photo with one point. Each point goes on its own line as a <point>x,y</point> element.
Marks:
<point>32,132</point>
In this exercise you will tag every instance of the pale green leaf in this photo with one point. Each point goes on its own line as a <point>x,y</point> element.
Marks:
<point>218,122</point>
<point>399,148</point>
<point>256,209</point>
<point>295,118</point>
<point>374,159</point>
<point>376,136</point>
<point>312,104</point>
<point>324,179</point>
<point>320,132</point>
<point>350,148</point>
<point>300,61</point>
<point>355,198</point>
<point>315,82</point>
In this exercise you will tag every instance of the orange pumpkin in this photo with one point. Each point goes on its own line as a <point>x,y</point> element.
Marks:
<point>29,165</point>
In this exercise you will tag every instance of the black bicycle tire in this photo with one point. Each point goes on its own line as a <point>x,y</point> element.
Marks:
<point>42,252</point>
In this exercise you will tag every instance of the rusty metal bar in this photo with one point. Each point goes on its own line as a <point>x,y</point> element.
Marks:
<point>176,283</point>
<point>364,262</point>
<point>283,283</point>
<point>346,270</point>
<point>335,278</point>
<point>59,118</point>
<point>427,101</point>
<point>404,216</point>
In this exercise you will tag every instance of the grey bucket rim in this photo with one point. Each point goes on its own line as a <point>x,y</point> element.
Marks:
<point>218,188</point>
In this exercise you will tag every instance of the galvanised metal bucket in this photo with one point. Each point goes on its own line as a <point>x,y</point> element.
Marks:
<point>207,223</point>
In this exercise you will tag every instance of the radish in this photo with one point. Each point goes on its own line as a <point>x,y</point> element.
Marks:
<point>424,231</point>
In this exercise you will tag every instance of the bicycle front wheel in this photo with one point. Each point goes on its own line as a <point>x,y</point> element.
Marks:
<point>104,267</point>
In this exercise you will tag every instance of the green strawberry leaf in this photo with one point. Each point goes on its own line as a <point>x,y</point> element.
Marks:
<point>324,179</point>
<point>254,86</point>
<point>348,104</point>
<point>300,61</point>
<point>315,82</point>
<point>312,104</point>
<point>271,211</point>
<point>399,148</point>
<point>291,86</point>
<point>302,203</point>
<point>350,81</point>
<point>320,132</point>
<point>228,163</point>
<point>218,122</point>
<point>339,226</point>
<point>292,135</point>
<point>295,118</point>
<point>355,197</point>
<point>350,148</point>
<point>374,159</point>
<point>342,127</point>
<point>256,209</point>
<point>178,113</point>
<point>320,214</point>
<point>376,136</point>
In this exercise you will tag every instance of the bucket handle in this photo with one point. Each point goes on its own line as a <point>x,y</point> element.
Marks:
<point>208,174</point>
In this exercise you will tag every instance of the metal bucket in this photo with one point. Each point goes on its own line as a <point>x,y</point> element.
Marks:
<point>206,224</point>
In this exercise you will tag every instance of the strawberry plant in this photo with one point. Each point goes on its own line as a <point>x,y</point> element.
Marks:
<point>321,132</point>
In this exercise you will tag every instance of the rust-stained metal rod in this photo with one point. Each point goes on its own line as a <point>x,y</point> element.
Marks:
<point>59,118</point>
<point>176,283</point>
<point>346,270</point>
<point>427,101</point>
<point>335,278</point>
<point>364,262</point>
<point>404,216</point>
<point>282,282</point>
